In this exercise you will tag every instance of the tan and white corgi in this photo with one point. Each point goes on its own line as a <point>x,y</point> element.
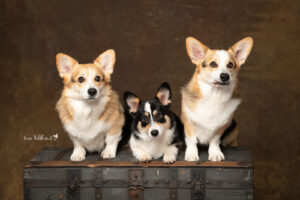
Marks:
<point>208,103</point>
<point>89,109</point>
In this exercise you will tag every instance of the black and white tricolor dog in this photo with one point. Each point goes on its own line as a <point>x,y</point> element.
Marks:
<point>155,129</point>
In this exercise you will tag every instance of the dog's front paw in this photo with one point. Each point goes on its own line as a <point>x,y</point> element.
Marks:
<point>145,158</point>
<point>216,156</point>
<point>169,158</point>
<point>108,153</point>
<point>191,155</point>
<point>78,155</point>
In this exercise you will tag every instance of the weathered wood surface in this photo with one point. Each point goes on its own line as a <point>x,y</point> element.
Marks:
<point>216,178</point>
<point>57,157</point>
<point>135,164</point>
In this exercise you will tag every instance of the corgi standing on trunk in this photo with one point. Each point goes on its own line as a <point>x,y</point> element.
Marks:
<point>208,104</point>
<point>89,109</point>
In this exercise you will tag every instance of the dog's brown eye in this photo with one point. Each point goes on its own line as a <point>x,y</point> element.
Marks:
<point>159,116</point>
<point>230,65</point>
<point>144,120</point>
<point>80,79</point>
<point>213,64</point>
<point>97,78</point>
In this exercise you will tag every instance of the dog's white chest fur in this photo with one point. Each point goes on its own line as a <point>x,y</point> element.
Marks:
<point>212,111</point>
<point>86,125</point>
<point>155,147</point>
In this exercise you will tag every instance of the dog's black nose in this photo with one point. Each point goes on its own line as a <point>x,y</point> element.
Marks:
<point>154,133</point>
<point>92,91</point>
<point>224,77</point>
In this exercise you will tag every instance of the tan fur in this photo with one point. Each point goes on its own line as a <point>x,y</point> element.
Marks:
<point>191,93</point>
<point>167,124</point>
<point>66,112</point>
<point>113,113</point>
<point>154,112</point>
<point>188,126</point>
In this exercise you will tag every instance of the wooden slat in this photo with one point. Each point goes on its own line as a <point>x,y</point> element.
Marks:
<point>239,154</point>
<point>107,163</point>
<point>47,153</point>
<point>226,194</point>
<point>62,153</point>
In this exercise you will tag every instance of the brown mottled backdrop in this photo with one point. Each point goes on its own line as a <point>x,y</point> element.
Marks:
<point>149,39</point>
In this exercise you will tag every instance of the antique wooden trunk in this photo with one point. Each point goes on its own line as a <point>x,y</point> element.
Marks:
<point>50,175</point>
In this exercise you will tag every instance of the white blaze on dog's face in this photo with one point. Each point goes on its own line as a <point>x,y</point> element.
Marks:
<point>155,128</point>
<point>86,81</point>
<point>218,67</point>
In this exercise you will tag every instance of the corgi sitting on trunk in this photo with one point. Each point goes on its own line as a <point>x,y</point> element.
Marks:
<point>155,129</point>
<point>208,104</point>
<point>89,109</point>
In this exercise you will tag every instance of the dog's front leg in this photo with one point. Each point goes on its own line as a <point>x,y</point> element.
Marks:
<point>111,141</point>
<point>191,152</point>
<point>214,152</point>
<point>138,151</point>
<point>170,154</point>
<point>141,155</point>
<point>78,152</point>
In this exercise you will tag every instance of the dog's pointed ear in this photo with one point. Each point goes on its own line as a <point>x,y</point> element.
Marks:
<point>242,49</point>
<point>106,61</point>
<point>65,64</point>
<point>164,94</point>
<point>195,49</point>
<point>131,102</point>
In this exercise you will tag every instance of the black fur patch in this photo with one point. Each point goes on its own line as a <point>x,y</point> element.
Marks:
<point>179,130</point>
<point>125,130</point>
<point>136,136</point>
<point>229,129</point>
<point>203,64</point>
